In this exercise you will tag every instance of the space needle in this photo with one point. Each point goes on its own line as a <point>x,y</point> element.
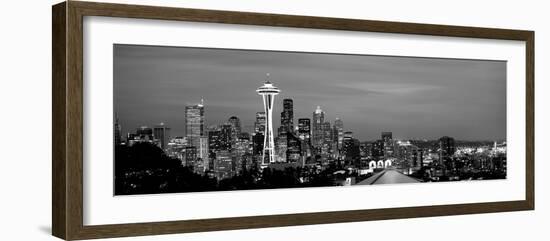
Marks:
<point>268,92</point>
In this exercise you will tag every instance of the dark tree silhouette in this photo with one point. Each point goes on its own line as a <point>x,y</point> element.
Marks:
<point>144,168</point>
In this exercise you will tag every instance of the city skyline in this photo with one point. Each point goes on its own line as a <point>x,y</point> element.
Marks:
<point>134,105</point>
<point>292,146</point>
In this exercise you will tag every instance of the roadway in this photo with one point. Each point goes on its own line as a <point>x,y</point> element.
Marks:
<point>388,176</point>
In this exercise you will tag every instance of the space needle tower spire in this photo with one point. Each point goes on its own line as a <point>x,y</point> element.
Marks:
<point>268,92</point>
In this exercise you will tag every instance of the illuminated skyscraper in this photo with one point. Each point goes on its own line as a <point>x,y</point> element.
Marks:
<point>258,143</point>
<point>377,149</point>
<point>225,136</point>
<point>287,116</point>
<point>334,141</point>
<point>281,146</point>
<point>387,136</point>
<point>327,138</point>
<point>293,147</point>
<point>162,134</point>
<point>388,144</point>
<point>268,92</point>
<point>203,151</point>
<point>241,154</point>
<point>304,133</point>
<point>235,123</point>
<point>194,123</point>
<point>304,128</point>
<point>351,147</point>
<point>190,156</point>
<point>339,126</point>
<point>145,133</point>
<point>259,125</point>
<point>447,148</point>
<point>118,132</point>
<point>317,130</point>
<point>417,158</point>
<point>215,141</point>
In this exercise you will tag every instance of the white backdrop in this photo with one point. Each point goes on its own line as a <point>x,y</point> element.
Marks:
<point>26,118</point>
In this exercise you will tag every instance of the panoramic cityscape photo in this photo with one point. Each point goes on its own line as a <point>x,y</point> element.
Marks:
<point>203,119</point>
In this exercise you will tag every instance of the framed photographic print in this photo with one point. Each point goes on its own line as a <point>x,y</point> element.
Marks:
<point>171,120</point>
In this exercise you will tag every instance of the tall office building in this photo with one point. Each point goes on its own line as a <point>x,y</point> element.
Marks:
<point>242,146</point>
<point>258,143</point>
<point>339,127</point>
<point>223,165</point>
<point>145,133</point>
<point>281,131</point>
<point>203,151</point>
<point>388,144</point>
<point>387,136</point>
<point>235,123</point>
<point>117,132</point>
<point>268,92</point>
<point>447,148</point>
<point>190,156</point>
<point>304,129</point>
<point>294,148</point>
<point>317,128</point>
<point>194,123</point>
<point>259,124</point>
<point>214,140</point>
<point>365,149</point>
<point>162,134</point>
<point>417,158</point>
<point>220,138</point>
<point>377,148</point>
<point>351,147</point>
<point>226,136</point>
<point>240,153</point>
<point>304,133</point>
<point>287,116</point>
<point>334,136</point>
<point>142,134</point>
<point>281,147</point>
<point>327,138</point>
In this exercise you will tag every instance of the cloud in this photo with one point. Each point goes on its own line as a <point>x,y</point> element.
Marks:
<point>417,97</point>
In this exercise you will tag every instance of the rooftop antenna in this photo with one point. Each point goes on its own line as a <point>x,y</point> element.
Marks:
<point>267,78</point>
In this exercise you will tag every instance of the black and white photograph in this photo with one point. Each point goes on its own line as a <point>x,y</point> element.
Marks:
<point>204,119</point>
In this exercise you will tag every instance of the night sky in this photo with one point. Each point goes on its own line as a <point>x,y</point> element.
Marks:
<point>420,98</point>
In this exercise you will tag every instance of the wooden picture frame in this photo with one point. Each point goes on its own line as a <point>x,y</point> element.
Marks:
<point>67,124</point>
